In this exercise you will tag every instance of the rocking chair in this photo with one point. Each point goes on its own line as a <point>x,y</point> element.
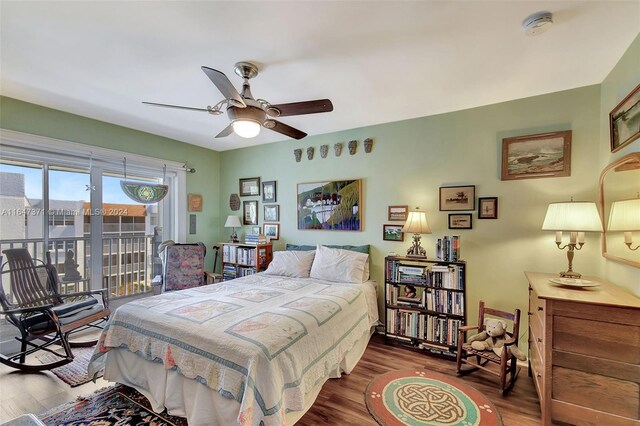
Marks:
<point>43,316</point>
<point>507,369</point>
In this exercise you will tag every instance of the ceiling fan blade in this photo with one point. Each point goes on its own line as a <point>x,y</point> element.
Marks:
<point>225,132</point>
<point>285,129</point>
<point>300,108</point>
<point>224,86</point>
<point>176,106</point>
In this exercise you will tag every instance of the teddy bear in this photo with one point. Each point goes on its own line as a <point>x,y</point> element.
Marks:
<point>493,338</point>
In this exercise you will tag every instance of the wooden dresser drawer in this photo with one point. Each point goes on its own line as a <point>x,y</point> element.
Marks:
<point>584,352</point>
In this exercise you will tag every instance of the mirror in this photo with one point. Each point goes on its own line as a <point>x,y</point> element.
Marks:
<point>619,181</point>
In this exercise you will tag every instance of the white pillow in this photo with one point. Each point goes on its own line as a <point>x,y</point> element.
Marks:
<point>295,264</point>
<point>339,265</point>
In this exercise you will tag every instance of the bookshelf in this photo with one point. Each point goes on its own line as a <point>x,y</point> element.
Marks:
<point>425,303</point>
<point>242,259</point>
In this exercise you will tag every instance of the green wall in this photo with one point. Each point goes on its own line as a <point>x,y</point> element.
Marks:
<point>29,118</point>
<point>411,159</point>
<point>624,77</point>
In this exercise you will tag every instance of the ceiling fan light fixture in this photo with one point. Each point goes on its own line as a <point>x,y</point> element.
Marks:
<point>246,128</point>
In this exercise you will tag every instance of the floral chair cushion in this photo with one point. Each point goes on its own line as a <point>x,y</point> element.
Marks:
<point>183,266</point>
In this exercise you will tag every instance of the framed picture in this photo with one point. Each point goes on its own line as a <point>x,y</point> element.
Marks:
<point>249,186</point>
<point>457,198</point>
<point>460,221</point>
<point>624,121</point>
<point>269,192</point>
<point>272,213</point>
<point>333,205</point>
<point>272,231</point>
<point>256,230</point>
<point>488,208</point>
<point>392,233</point>
<point>250,212</point>
<point>398,213</point>
<point>537,156</point>
<point>194,202</point>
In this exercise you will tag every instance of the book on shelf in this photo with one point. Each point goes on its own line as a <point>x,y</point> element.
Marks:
<point>448,248</point>
<point>255,239</point>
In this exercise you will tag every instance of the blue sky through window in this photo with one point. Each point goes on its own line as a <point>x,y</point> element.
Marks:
<point>67,185</point>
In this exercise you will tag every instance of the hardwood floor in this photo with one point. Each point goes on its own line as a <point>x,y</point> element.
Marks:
<point>341,401</point>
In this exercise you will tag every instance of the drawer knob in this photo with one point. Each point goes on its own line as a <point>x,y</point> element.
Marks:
<point>540,308</point>
<point>539,340</point>
<point>529,313</point>
<point>538,375</point>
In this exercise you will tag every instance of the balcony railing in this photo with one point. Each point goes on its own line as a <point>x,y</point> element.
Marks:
<point>127,262</point>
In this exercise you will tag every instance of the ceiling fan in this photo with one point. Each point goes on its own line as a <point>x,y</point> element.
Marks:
<point>247,114</point>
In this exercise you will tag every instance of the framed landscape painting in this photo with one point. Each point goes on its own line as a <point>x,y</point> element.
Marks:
<point>536,156</point>
<point>272,231</point>
<point>392,233</point>
<point>624,120</point>
<point>457,198</point>
<point>460,221</point>
<point>332,205</point>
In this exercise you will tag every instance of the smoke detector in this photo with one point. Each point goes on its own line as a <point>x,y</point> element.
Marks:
<point>537,23</point>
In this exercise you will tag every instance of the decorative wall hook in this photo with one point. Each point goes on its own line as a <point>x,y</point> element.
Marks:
<point>337,148</point>
<point>298,154</point>
<point>324,150</point>
<point>310,151</point>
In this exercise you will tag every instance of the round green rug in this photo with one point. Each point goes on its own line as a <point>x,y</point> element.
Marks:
<point>419,398</point>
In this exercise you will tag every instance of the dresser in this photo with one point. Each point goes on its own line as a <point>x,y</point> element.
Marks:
<point>584,352</point>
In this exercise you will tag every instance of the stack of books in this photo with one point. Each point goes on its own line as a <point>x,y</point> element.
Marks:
<point>448,248</point>
<point>255,239</point>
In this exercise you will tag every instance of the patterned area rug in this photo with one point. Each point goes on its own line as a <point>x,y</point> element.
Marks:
<point>74,373</point>
<point>118,405</point>
<point>409,397</point>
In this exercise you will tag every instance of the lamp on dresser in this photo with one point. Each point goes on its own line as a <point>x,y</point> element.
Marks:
<point>625,217</point>
<point>575,217</point>
<point>233,222</point>
<point>416,224</point>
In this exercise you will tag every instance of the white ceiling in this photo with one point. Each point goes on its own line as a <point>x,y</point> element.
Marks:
<point>377,61</point>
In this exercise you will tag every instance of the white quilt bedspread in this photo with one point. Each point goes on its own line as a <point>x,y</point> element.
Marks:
<point>262,340</point>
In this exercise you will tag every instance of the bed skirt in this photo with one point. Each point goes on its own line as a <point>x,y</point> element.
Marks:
<point>201,405</point>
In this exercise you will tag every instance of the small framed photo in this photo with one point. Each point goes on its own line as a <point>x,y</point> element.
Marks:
<point>256,230</point>
<point>536,156</point>
<point>250,212</point>
<point>623,121</point>
<point>272,231</point>
<point>249,186</point>
<point>487,207</point>
<point>272,213</point>
<point>392,233</point>
<point>398,213</point>
<point>457,198</point>
<point>460,221</point>
<point>269,192</point>
<point>194,202</point>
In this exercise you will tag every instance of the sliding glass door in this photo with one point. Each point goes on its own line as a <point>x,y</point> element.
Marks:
<point>96,236</point>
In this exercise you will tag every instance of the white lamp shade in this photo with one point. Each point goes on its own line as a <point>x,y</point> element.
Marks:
<point>573,216</point>
<point>246,128</point>
<point>416,223</point>
<point>625,215</point>
<point>232,222</point>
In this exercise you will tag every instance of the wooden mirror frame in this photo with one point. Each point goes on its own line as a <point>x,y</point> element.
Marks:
<point>628,162</point>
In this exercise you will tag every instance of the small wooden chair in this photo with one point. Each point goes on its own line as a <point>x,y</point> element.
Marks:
<point>43,316</point>
<point>507,369</point>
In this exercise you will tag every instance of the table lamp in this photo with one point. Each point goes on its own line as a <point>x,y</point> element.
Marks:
<point>233,222</point>
<point>625,217</point>
<point>417,224</point>
<point>575,217</point>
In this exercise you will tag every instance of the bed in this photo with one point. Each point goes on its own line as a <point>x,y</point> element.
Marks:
<point>255,350</point>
